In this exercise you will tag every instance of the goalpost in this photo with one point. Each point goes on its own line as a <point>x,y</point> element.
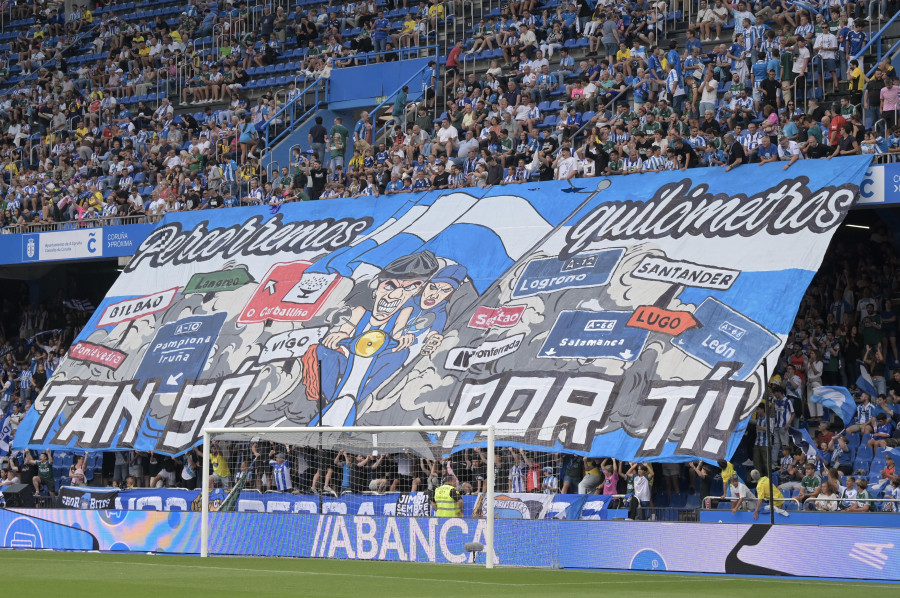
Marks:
<point>250,453</point>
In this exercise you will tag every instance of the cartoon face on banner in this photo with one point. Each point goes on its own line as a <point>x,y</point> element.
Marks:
<point>628,317</point>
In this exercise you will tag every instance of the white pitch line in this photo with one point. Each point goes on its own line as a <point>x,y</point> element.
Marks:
<point>664,577</point>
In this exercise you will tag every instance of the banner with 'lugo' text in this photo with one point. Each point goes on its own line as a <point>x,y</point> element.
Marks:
<point>624,316</point>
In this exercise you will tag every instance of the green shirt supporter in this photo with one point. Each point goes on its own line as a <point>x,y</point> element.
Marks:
<point>872,333</point>
<point>338,140</point>
<point>651,128</point>
<point>787,66</point>
<point>810,483</point>
<point>815,131</point>
<point>45,471</point>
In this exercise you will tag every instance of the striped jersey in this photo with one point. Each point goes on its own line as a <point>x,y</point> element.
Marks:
<point>282,474</point>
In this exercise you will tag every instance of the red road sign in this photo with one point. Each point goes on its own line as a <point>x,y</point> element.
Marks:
<point>657,319</point>
<point>289,293</point>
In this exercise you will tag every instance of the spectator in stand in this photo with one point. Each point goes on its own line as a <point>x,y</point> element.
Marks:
<point>862,501</point>
<point>77,471</point>
<point>741,497</point>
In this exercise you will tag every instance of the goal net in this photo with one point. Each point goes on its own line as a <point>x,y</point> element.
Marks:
<point>377,493</point>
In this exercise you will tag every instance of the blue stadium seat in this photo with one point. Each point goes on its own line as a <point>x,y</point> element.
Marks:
<point>863,464</point>
<point>549,121</point>
<point>864,452</point>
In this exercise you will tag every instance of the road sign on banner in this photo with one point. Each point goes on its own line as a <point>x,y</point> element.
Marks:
<point>656,319</point>
<point>179,351</point>
<point>594,335</point>
<point>726,335</point>
<point>486,318</point>
<point>581,270</point>
<point>289,293</point>
<point>218,282</point>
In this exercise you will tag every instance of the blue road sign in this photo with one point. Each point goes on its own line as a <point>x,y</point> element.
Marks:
<point>594,335</point>
<point>726,335</point>
<point>179,350</point>
<point>582,270</point>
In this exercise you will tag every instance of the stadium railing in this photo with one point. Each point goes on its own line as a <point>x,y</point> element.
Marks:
<point>81,224</point>
<point>790,504</point>
<point>893,502</point>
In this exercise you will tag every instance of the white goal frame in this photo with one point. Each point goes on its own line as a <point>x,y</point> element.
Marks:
<point>489,465</point>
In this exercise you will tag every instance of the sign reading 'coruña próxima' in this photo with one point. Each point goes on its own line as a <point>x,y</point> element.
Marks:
<point>624,316</point>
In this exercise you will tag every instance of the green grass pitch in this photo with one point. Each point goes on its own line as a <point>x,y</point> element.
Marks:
<point>149,576</point>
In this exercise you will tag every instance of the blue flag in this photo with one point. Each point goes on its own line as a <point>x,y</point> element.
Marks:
<point>804,442</point>
<point>573,511</point>
<point>6,436</point>
<point>837,399</point>
<point>864,382</point>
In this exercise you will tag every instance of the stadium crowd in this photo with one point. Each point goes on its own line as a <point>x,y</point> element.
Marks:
<point>90,139</point>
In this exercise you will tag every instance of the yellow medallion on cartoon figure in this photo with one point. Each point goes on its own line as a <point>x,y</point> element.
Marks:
<point>369,343</point>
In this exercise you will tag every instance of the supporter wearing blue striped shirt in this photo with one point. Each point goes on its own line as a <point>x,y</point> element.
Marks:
<point>865,414</point>
<point>762,440</point>
<point>518,469</point>
<point>655,162</point>
<point>805,28</point>
<point>783,416</point>
<point>756,34</point>
<point>281,472</point>
<point>633,163</point>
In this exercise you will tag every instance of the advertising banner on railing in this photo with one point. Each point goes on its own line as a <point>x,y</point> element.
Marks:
<point>507,505</point>
<point>87,240</point>
<point>864,553</point>
<point>72,497</point>
<point>624,316</point>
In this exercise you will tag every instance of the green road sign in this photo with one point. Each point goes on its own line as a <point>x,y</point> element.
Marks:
<point>217,282</point>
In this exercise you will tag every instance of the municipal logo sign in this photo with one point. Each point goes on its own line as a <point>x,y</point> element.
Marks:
<point>594,335</point>
<point>289,293</point>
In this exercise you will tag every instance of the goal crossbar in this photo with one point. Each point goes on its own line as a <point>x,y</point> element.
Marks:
<point>490,464</point>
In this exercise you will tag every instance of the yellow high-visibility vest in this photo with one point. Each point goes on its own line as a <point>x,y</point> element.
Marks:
<point>445,505</point>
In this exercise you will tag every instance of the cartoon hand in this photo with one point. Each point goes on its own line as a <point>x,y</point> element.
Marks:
<point>332,339</point>
<point>432,343</point>
<point>404,342</point>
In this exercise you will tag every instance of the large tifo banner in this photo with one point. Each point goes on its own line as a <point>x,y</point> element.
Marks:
<point>625,317</point>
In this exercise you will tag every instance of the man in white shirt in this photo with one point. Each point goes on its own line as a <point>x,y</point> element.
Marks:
<point>447,137</point>
<point>539,62</point>
<point>801,64</point>
<point>465,146</point>
<point>826,46</point>
<point>740,494</point>
<point>566,167</point>
<point>788,151</point>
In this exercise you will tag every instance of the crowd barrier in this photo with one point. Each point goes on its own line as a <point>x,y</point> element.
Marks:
<point>507,505</point>
<point>737,549</point>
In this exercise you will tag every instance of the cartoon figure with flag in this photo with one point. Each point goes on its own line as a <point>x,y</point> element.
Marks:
<point>350,353</point>
<point>425,324</point>
<point>430,310</point>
